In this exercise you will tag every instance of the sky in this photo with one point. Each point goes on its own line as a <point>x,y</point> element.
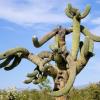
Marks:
<point>20,20</point>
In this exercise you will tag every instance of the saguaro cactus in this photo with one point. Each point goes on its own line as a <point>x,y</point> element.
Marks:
<point>67,64</point>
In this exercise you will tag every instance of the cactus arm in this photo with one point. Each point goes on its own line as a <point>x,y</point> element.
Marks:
<point>16,62</point>
<point>36,60</point>
<point>91,46</point>
<point>85,48</point>
<point>47,37</point>
<point>35,80</point>
<point>55,46</point>
<point>68,11</point>
<point>75,38</point>
<point>25,54</point>
<point>28,80</point>
<point>85,54</point>
<point>6,61</point>
<point>86,12</point>
<point>68,31</point>
<point>13,52</point>
<point>33,74</point>
<point>86,32</point>
<point>66,89</point>
<point>37,77</point>
<point>40,79</point>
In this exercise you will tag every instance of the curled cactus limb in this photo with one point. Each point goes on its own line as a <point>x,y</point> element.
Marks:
<point>37,76</point>
<point>35,80</point>
<point>13,52</point>
<point>51,70</point>
<point>67,11</point>
<point>48,36</point>
<point>86,53</point>
<point>6,61</point>
<point>33,74</point>
<point>16,62</point>
<point>28,80</point>
<point>40,79</point>
<point>86,12</point>
<point>85,48</point>
<point>38,43</point>
<point>86,32</point>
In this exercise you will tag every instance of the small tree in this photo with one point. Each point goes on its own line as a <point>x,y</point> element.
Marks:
<point>67,64</point>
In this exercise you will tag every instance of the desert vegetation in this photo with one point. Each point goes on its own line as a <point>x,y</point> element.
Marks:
<point>90,92</point>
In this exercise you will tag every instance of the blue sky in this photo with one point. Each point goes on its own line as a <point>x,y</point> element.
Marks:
<point>21,19</point>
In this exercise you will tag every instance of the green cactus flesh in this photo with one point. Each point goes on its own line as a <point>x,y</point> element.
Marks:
<point>33,74</point>
<point>75,38</point>
<point>86,32</point>
<point>86,12</point>
<point>68,11</point>
<point>13,52</point>
<point>47,37</point>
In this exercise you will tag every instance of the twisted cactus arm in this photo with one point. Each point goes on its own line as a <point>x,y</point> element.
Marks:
<point>37,77</point>
<point>14,55</point>
<point>35,80</point>
<point>85,54</point>
<point>6,61</point>
<point>18,54</point>
<point>13,52</point>
<point>16,62</point>
<point>40,79</point>
<point>33,74</point>
<point>86,12</point>
<point>86,32</point>
<point>67,11</point>
<point>38,43</point>
<point>48,36</point>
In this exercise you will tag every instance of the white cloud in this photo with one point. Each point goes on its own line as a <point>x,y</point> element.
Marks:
<point>33,11</point>
<point>27,12</point>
